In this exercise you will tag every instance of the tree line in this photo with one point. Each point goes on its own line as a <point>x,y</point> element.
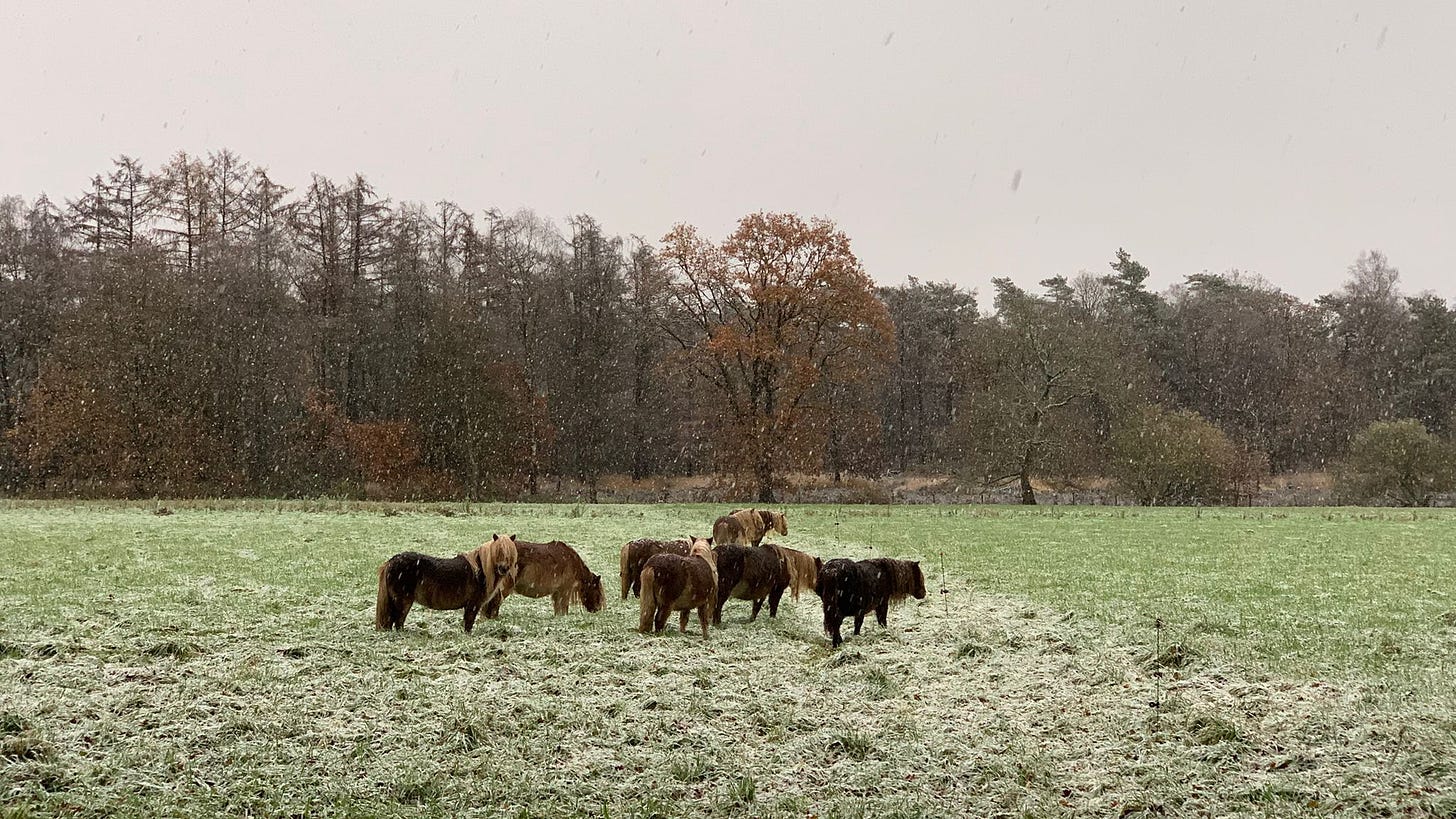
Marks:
<point>203,329</point>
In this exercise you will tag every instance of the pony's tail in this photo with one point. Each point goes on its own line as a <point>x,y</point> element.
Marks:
<point>649,600</point>
<point>626,581</point>
<point>381,604</point>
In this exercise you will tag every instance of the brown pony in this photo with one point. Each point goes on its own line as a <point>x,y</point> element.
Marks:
<point>555,569</point>
<point>675,583</point>
<point>466,581</point>
<point>803,569</point>
<point>849,588</point>
<point>750,573</point>
<point>636,553</point>
<point>748,526</point>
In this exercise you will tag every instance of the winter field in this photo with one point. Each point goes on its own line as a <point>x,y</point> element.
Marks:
<point>1080,661</point>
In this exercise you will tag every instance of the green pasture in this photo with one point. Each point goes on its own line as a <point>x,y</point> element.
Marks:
<point>221,660</point>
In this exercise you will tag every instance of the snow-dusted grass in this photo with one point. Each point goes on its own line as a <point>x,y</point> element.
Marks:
<point>222,660</point>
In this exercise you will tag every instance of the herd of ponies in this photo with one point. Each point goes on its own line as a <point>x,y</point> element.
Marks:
<point>667,575</point>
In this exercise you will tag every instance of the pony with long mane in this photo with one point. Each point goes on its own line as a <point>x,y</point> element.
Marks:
<point>553,569</point>
<point>747,527</point>
<point>676,583</point>
<point>637,553</point>
<point>849,588</point>
<point>467,581</point>
<point>750,573</point>
<point>803,569</point>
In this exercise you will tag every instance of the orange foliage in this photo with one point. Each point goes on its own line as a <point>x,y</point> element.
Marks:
<point>773,317</point>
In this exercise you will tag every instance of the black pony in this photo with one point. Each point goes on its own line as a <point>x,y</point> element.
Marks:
<point>849,588</point>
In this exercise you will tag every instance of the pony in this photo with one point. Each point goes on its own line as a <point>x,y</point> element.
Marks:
<point>636,553</point>
<point>555,569</point>
<point>467,581</point>
<point>676,583</point>
<point>750,573</point>
<point>803,569</point>
<point>849,588</point>
<point>748,526</point>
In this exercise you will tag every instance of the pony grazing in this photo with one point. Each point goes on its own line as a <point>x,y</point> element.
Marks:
<point>849,588</point>
<point>555,569</point>
<point>636,554</point>
<point>675,583</point>
<point>466,581</point>
<point>750,573</point>
<point>747,527</point>
<point>803,569</point>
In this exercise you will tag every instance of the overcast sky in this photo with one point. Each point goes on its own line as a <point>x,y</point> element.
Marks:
<point>1276,138</point>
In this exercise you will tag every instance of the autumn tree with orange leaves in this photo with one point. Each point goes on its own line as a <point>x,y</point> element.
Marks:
<point>774,318</point>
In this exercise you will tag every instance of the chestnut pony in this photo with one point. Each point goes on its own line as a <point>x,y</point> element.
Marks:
<point>675,583</point>
<point>555,569</point>
<point>748,526</point>
<point>803,569</point>
<point>466,581</point>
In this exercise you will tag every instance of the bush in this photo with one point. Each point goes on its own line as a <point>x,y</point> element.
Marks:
<point>1167,458</point>
<point>1396,462</point>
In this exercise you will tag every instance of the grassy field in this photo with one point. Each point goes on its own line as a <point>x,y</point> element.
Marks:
<point>1079,661</point>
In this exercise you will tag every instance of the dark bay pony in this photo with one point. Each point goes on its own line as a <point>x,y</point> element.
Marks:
<point>675,583</point>
<point>636,554</point>
<point>849,588</point>
<point>555,569</point>
<point>466,581</point>
<point>750,573</point>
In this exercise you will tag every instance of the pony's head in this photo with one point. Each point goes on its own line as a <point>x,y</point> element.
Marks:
<point>775,521</point>
<point>919,585</point>
<point>702,547</point>
<point>497,563</point>
<point>503,557</point>
<point>592,596</point>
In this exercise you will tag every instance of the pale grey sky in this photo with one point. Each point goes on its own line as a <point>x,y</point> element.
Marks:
<point>1277,138</point>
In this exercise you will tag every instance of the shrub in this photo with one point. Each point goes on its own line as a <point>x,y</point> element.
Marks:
<point>1396,462</point>
<point>1166,458</point>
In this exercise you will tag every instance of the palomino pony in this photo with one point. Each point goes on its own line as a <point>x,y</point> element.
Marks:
<point>555,569</point>
<point>675,583</point>
<point>803,569</point>
<point>748,526</point>
<point>750,573</point>
<point>850,588</point>
<point>466,581</point>
<point>636,553</point>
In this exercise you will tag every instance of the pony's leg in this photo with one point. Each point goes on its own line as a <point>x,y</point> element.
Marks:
<point>757,604</point>
<point>682,621</point>
<point>660,623</point>
<point>882,613</point>
<point>402,611</point>
<point>832,626</point>
<point>858,621</point>
<point>560,602</point>
<point>773,602</point>
<point>471,609</point>
<point>703,619</point>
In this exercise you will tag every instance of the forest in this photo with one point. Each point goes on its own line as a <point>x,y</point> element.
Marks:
<point>202,329</point>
